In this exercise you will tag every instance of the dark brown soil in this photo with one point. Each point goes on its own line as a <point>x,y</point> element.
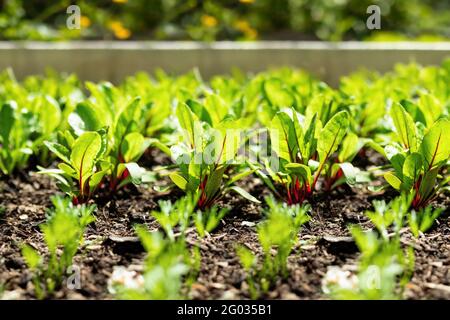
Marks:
<point>110,241</point>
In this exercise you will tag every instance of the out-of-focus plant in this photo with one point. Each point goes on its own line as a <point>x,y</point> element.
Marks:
<point>219,20</point>
<point>277,236</point>
<point>63,234</point>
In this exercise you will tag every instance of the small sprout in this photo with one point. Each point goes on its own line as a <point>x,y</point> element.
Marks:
<point>63,234</point>
<point>277,236</point>
<point>422,220</point>
<point>167,263</point>
<point>175,215</point>
<point>383,271</point>
<point>208,220</point>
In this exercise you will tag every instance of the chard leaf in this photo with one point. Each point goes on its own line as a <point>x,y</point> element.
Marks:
<point>430,107</point>
<point>301,171</point>
<point>283,137</point>
<point>427,184</point>
<point>85,151</point>
<point>7,120</point>
<point>84,118</point>
<point>199,110</point>
<point>244,194</point>
<point>187,120</point>
<point>331,135</point>
<point>67,170</point>
<point>59,150</point>
<point>350,173</point>
<point>179,180</point>
<point>411,170</point>
<point>435,147</point>
<point>405,127</point>
<point>214,182</point>
<point>133,146</point>
<point>277,94</point>
<point>217,108</point>
<point>393,180</point>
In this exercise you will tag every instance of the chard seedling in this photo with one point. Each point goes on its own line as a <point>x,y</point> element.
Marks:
<point>384,269</point>
<point>83,166</point>
<point>175,215</point>
<point>206,155</point>
<point>63,234</point>
<point>167,267</point>
<point>277,236</point>
<point>125,142</point>
<point>208,220</point>
<point>422,220</point>
<point>22,130</point>
<point>304,150</point>
<point>418,160</point>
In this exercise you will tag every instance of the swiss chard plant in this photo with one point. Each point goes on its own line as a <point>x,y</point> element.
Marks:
<point>22,130</point>
<point>206,155</point>
<point>304,150</point>
<point>418,157</point>
<point>63,233</point>
<point>125,143</point>
<point>83,164</point>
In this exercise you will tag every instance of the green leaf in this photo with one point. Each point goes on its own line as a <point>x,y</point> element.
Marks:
<point>301,171</point>
<point>187,120</point>
<point>435,147</point>
<point>393,180</point>
<point>331,135</point>
<point>277,94</point>
<point>59,150</point>
<point>244,193</point>
<point>427,185</point>
<point>411,170</point>
<point>214,182</point>
<point>85,118</point>
<point>133,146</point>
<point>85,151</point>
<point>7,120</point>
<point>179,180</point>
<point>31,256</point>
<point>283,137</point>
<point>405,127</point>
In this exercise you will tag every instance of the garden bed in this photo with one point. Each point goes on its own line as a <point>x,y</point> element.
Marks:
<point>324,242</point>
<point>272,185</point>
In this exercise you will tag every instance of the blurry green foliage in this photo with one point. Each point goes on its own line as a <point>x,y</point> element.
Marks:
<point>208,20</point>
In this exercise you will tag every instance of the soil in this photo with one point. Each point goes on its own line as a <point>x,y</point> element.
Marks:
<point>110,241</point>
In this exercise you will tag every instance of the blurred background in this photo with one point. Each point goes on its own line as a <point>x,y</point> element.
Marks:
<point>242,20</point>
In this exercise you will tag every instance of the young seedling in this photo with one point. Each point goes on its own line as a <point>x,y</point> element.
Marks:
<point>278,233</point>
<point>304,150</point>
<point>63,234</point>
<point>83,166</point>
<point>208,220</point>
<point>206,156</point>
<point>383,271</point>
<point>422,220</point>
<point>22,131</point>
<point>417,161</point>
<point>177,215</point>
<point>168,268</point>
